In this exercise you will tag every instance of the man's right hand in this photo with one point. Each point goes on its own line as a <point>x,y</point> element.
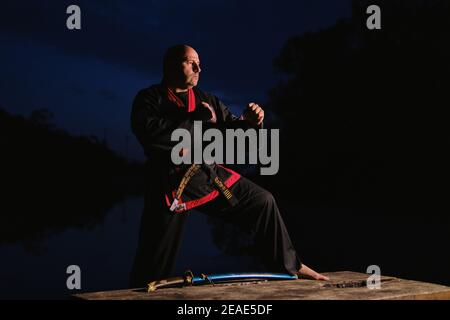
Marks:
<point>204,113</point>
<point>213,113</point>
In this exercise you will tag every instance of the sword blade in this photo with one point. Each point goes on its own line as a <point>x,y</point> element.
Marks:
<point>233,277</point>
<point>189,279</point>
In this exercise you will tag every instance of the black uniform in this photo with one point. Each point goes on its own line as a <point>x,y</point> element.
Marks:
<point>154,117</point>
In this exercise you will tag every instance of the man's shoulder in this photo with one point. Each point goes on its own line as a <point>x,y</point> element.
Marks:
<point>149,98</point>
<point>154,89</point>
<point>151,94</point>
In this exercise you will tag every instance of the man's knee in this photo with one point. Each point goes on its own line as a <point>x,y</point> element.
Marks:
<point>265,198</point>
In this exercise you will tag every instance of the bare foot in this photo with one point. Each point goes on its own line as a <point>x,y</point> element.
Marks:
<point>308,273</point>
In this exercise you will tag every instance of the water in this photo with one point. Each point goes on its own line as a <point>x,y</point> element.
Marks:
<point>404,246</point>
<point>103,252</point>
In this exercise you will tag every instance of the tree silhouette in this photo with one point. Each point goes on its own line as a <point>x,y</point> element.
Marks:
<point>52,180</point>
<point>42,117</point>
<point>361,116</point>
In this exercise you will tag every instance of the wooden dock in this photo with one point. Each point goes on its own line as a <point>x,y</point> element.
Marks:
<point>344,285</point>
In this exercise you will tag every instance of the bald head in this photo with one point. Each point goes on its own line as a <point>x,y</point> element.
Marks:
<point>181,66</point>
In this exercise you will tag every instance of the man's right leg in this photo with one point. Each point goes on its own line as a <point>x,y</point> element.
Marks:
<point>159,240</point>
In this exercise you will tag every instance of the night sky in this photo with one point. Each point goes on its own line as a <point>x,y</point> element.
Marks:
<point>88,78</point>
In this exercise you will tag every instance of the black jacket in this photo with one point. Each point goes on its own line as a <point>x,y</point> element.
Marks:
<point>153,119</point>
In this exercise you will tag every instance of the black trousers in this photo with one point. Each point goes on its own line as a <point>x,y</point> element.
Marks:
<point>256,213</point>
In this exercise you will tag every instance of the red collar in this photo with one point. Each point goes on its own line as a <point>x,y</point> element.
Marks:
<point>175,99</point>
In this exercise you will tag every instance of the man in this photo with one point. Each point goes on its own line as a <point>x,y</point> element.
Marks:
<point>177,103</point>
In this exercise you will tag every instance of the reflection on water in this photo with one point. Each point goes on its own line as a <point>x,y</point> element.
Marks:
<point>328,239</point>
<point>104,253</point>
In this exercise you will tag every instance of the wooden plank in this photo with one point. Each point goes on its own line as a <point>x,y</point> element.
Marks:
<point>344,285</point>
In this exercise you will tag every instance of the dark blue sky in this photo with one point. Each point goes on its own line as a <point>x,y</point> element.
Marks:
<point>88,78</point>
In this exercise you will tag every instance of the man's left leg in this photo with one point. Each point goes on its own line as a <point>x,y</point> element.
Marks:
<point>257,213</point>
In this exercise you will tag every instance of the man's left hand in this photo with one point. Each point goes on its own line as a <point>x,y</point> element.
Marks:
<point>254,114</point>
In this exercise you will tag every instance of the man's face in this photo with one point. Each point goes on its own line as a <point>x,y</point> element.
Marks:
<point>191,67</point>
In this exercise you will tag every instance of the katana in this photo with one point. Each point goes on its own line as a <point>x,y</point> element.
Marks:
<point>188,279</point>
